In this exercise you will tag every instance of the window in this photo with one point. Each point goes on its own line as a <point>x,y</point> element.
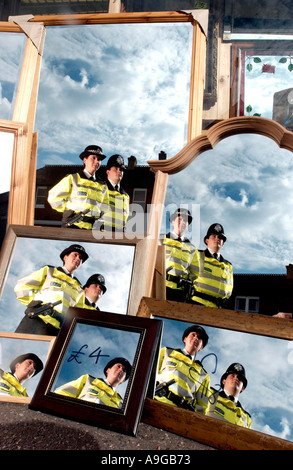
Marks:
<point>139,197</point>
<point>247,304</point>
<point>41,197</point>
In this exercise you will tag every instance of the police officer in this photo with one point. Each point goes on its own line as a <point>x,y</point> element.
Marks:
<point>115,219</point>
<point>94,289</point>
<point>213,274</point>
<point>81,197</point>
<point>224,404</point>
<point>182,380</point>
<point>22,368</point>
<point>179,254</point>
<point>49,285</point>
<point>98,390</point>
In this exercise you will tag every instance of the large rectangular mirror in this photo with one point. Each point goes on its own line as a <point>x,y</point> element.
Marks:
<point>263,347</point>
<point>27,251</point>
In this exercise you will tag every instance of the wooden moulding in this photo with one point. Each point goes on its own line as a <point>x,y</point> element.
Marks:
<point>226,128</point>
<point>210,431</point>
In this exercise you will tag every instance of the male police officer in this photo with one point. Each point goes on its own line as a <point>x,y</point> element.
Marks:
<point>94,289</point>
<point>22,368</point>
<point>100,391</point>
<point>213,274</point>
<point>115,218</point>
<point>81,197</point>
<point>47,286</point>
<point>225,404</point>
<point>181,380</point>
<point>179,254</point>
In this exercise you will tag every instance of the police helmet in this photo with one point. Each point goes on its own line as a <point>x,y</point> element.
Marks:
<point>23,357</point>
<point>116,160</point>
<point>96,279</point>
<point>183,213</point>
<point>200,330</point>
<point>119,360</point>
<point>80,249</point>
<point>215,229</point>
<point>92,150</point>
<point>238,369</point>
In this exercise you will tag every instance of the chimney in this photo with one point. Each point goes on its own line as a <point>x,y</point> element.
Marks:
<point>162,155</point>
<point>132,162</point>
<point>289,271</point>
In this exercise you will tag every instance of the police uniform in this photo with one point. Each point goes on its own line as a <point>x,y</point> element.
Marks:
<point>191,383</point>
<point>48,285</point>
<point>9,385</point>
<point>179,252</point>
<point>116,217</point>
<point>93,389</point>
<point>79,192</point>
<point>213,276</point>
<point>94,279</point>
<point>225,407</point>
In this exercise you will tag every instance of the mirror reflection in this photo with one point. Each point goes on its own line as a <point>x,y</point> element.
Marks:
<point>243,185</point>
<point>21,364</point>
<point>11,52</point>
<point>39,277</point>
<point>92,78</point>
<point>97,365</point>
<point>255,369</point>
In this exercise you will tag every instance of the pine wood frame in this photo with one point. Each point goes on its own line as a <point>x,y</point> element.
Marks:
<point>211,431</point>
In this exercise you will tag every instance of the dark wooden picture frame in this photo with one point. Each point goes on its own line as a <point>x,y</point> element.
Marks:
<point>124,420</point>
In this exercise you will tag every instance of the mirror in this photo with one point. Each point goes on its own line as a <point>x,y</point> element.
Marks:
<point>27,250</point>
<point>244,183</point>
<point>234,336</point>
<point>114,355</point>
<point>11,52</point>
<point>91,97</point>
<point>13,346</point>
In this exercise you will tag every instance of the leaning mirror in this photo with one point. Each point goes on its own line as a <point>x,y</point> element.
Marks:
<point>233,338</point>
<point>99,369</point>
<point>27,251</point>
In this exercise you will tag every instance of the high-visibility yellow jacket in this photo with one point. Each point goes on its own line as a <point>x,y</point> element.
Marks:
<point>178,256</point>
<point>89,388</point>
<point>9,385</point>
<point>117,214</point>
<point>77,193</point>
<point>192,382</point>
<point>213,278</point>
<point>50,284</point>
<point>223,408</point>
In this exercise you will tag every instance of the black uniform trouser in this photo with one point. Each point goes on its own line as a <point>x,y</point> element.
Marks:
<point>36,326</point>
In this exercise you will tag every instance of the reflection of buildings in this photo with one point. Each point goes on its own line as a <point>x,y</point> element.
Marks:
<point>138,182</point>
<point>283,108</point>
<point>4,197</point>
<point>267,294</point>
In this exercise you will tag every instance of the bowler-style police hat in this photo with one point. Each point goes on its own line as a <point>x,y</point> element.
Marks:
<point>92,150</point>
<point>96,279</point>
<point>215,229</point>
<point>18,360</point>
<point>116,160</point>
<point>238,369</point>
<point>119,360</point>
<point>182,213</point>
<point>198,329</point>
<point>80,249</point>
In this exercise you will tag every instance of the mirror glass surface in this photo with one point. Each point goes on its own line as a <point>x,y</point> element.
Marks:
<point>6,143</point>
<point>268,366</point>
<point>11,52</point>
<point>245,183</point>
<point>31,254</point>
<point>90,349</point>
<point>11,348</point>
<point>124,87</point>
